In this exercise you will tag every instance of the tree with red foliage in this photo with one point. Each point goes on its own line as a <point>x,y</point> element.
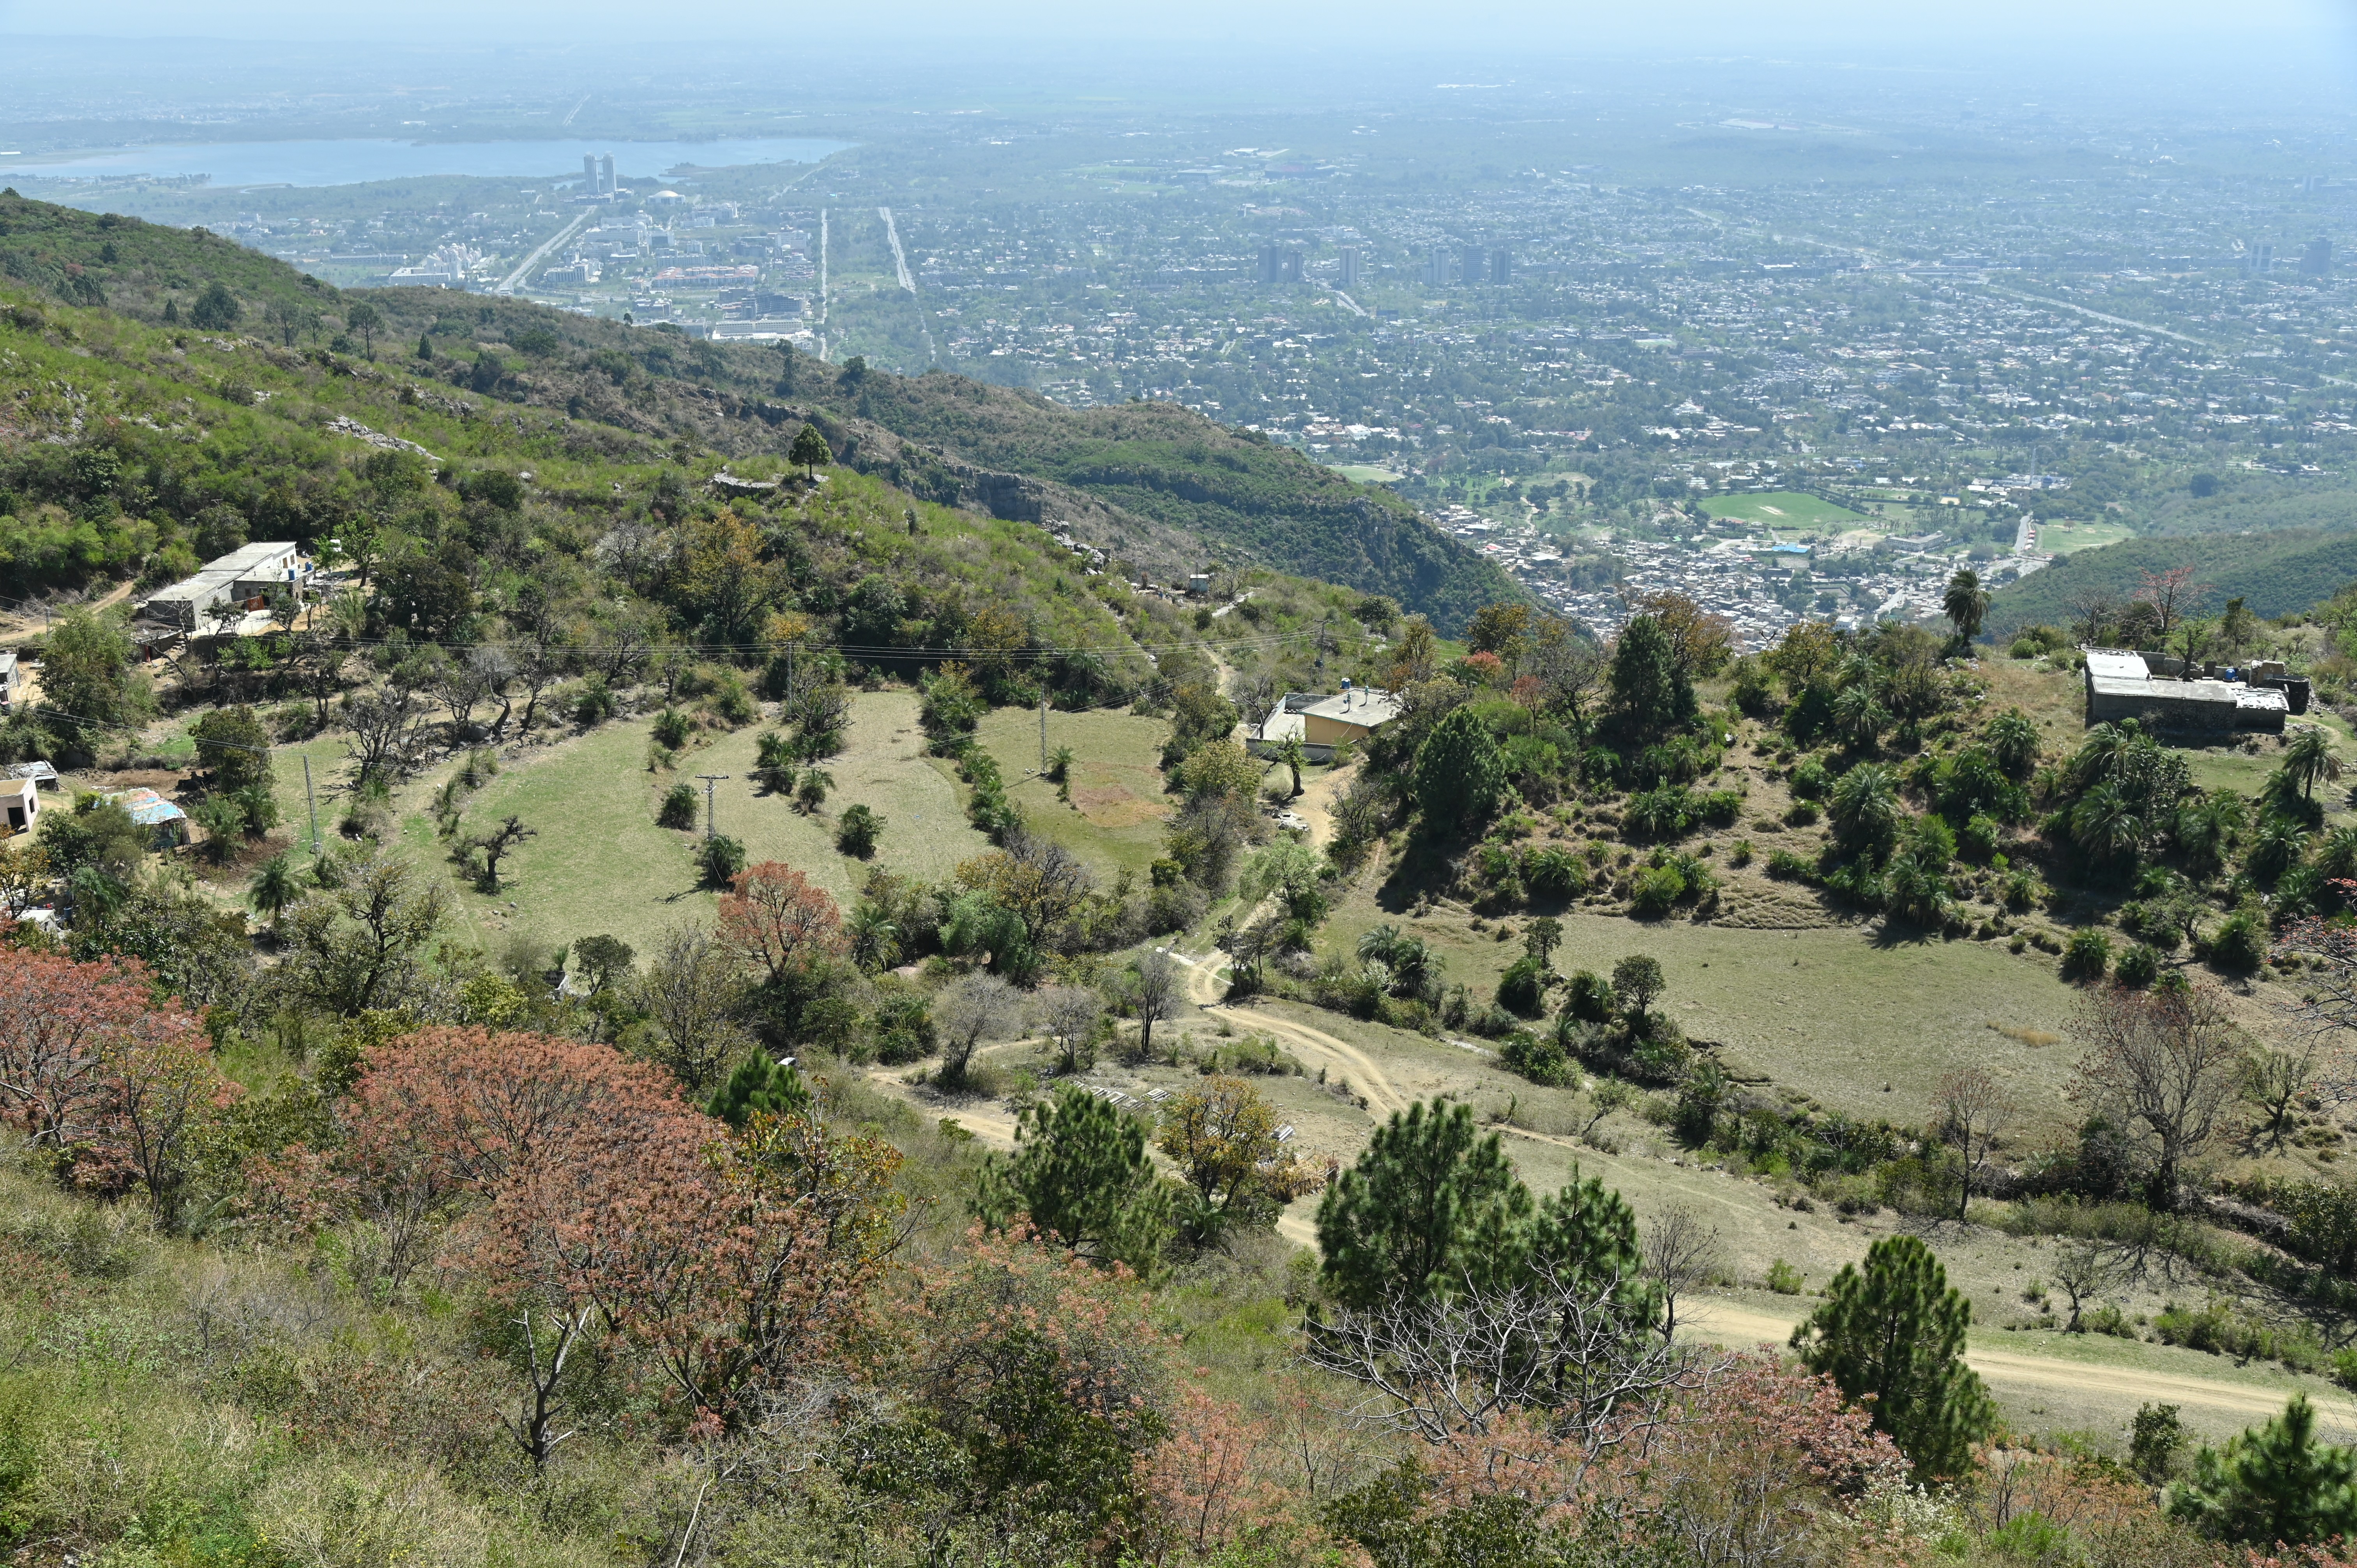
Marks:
<point>587,1194</point>
<point>773,916</point>
<point>102,1077</point>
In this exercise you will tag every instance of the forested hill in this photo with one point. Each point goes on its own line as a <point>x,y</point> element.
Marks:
<point>2275,572</point>
<point>1160,488</point>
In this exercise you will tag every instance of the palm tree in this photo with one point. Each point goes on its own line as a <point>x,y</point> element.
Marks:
<point>274,887</point>
<point>2276,848</point>
<point>1858,717</point>
<point>1966,604</point>
<point>875,939</point>
<point>2013,736</point>
<point>2105,825</point>
<point>2312,758</point>
<point>1288,751</point>
<point>1866,806</point>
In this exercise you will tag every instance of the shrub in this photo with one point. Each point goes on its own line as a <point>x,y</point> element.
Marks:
<point>678,807</point>
<point>1787,867</point>
<point>1811,782</point>
<point>1522,988</point>
<point>1719,808</point>
<point>2138,966</point>
<point>2087,954</point>
<point>1739,854</point>
<point>1783,1278</point>
<point>1539,1058</point>
<point>2239,944</point>
<point>671,729</point>
<point>1659,814</point>
<point>1663,1057</point>
<point>1554,873</point>
<point>1656,889</point>
<point>1588,997</point>
<point>857,833</point>
<point>1979,840</point>
<point>719,858</point>
<point>1801,814</point>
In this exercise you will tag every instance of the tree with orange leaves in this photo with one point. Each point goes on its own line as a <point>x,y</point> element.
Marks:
<point>103,1077</point>
<point>772,917</point>
<point>1700,642</point>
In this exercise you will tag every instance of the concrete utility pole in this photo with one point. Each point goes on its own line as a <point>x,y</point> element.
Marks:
<point>314,801</point>
<point>1043,732</point>
<point>710,779</point>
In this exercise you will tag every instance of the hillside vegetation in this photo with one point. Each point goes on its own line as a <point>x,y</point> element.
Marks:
<point>2275,572</point>
<point>1158,488</point>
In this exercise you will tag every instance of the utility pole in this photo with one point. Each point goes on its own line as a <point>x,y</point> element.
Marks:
<point>314,802</point>
<point>710,779</point>
<point>1043,732</point>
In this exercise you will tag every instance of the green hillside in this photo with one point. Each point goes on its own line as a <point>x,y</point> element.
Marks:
<point>1163,490</point>
<point>2288,569</point>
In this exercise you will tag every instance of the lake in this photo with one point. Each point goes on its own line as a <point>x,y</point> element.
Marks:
<point>232,163</point>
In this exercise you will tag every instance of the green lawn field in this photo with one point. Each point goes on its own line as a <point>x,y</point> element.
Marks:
<point>2068,538</point>
<point>1115,819</point>
<point>601,866</point>
<point>1365,473</point>
<point>1782,509</point>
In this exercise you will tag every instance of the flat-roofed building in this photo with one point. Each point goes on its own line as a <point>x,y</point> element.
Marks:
<point>2121,684</point>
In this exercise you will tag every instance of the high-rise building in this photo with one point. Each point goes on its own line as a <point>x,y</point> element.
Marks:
<point>605,174</point>
<point>2317,260</point>
<point>1268,262</point>
<point>1348,274</point>
<point>1436,267</point>
<point>1501,266</point>
<point>1289,267</point>
<point>589,172</point>
<point>1468,264</point>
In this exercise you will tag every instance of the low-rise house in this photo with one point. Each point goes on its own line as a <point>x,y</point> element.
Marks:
<point>2125,684</point>
<point>20,803</point>
<point>1354,714</point>
<point>164,820</point>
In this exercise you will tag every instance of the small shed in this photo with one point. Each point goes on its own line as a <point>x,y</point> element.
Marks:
<point>2122,685</point>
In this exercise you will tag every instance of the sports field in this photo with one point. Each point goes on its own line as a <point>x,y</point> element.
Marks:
<point>1365,473</point>
<point>2065,538</point>
<point>1782,509</point>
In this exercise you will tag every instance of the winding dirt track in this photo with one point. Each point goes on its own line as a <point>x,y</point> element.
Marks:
<point>2024,1375</point>
<point>1739,1326</point>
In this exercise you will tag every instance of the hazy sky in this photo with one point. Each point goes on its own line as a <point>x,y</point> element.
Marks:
<point>1864,27</point>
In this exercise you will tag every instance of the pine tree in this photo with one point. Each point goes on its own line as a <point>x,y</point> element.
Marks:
<point>1082,1174</point>
<point>2273,1482</point>
<point>810,449</point>
<point>1649,688</point>
<point>759,1087</point>
<point>1460,773</point>
<point>1897,1332</point>
<point>1428,1203</point>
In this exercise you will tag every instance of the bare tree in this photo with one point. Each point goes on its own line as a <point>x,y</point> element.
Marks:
<point>970,1009</point>
<point>632,552</point>
<point>2166,1064</point>
<point>495,844</point>
<point>2082,1267</point>
<point>692,991</point>
<point>1974,1108</point>
<point>539,667</point>
<point>1156,994</point>
<point>1460,1367</point>
<point>1571,668</point>
<point>459,687</point>
<point>1681,1254</point>
<point>1068,1016</point>
<point>387,728</point>
<point>2278,1080</point>
<point>495,667</point>
<point>1256,698</point>
<point>621,639</point>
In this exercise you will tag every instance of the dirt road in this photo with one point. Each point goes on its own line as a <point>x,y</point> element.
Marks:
<point>2020,1379</point>
<point>1320,1048</point>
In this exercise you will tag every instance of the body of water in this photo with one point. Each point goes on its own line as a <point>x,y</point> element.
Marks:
<point>231,163</point>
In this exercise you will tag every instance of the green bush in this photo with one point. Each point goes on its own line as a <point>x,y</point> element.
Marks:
<point>671,729</point>
<point>1783,1278</point>
<point>719,858</point>
<point>1522,989</point>
<point>1588,997</point>
<point>1979,840</point>
<point>857,833</point>
<point>2087,954</point>
<point>2140,965</point>
<point>678,807</point>
<point>1539,1058</point>
<point>1786,866</point>
<point>1656,889</point>
<point>2240,944</point>
<point>1554,873</point>
<point>1811,782</point>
